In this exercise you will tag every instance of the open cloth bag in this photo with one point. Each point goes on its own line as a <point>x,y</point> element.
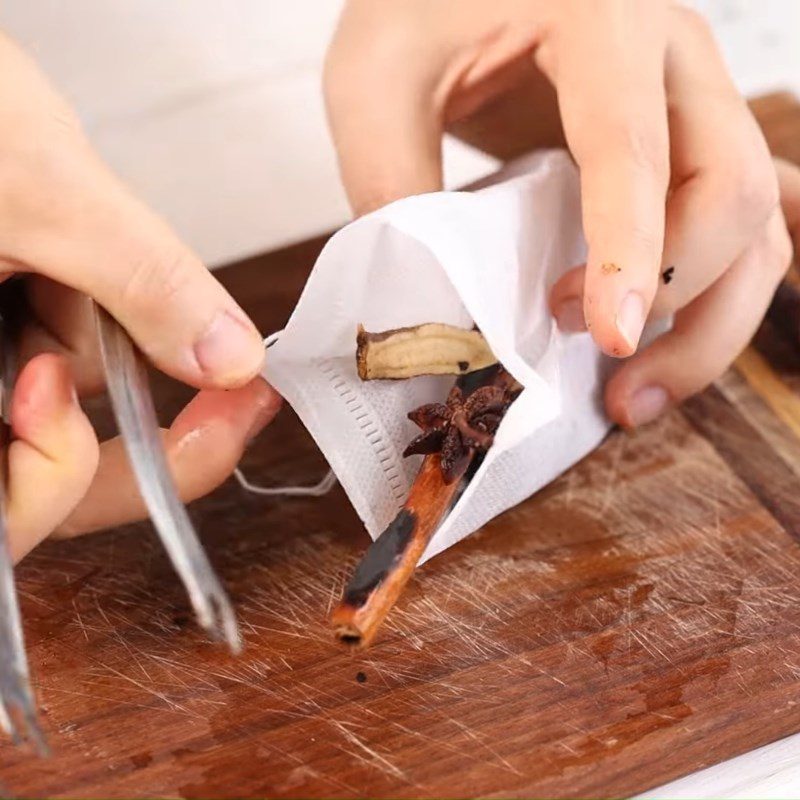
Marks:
<point>485,258</point>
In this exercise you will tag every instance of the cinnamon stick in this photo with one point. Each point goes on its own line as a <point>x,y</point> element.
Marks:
<point>390,561</point>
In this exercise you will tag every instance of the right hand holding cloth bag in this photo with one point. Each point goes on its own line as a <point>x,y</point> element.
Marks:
<point>487,259</point>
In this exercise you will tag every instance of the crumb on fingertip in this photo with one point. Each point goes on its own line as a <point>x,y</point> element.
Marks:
<point>609,268</point>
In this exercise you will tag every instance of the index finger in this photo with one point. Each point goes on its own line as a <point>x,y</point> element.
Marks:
<point>379,100</point>
<point>608,69</point>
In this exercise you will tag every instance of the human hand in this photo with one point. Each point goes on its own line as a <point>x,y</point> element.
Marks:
<point>74,231</point>
<point>710,330</point>
<point>65,216</point>
<point>676,178</point>
<point>60,480</point>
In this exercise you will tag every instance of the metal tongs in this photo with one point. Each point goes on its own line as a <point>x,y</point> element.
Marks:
<point>129,391</point>
<point>17,707</point>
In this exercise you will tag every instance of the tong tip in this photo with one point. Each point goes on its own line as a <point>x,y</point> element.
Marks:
<point>20,722</point>
<point>217,617</point>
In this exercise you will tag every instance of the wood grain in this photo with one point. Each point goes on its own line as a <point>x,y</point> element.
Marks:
<point>636,620</point>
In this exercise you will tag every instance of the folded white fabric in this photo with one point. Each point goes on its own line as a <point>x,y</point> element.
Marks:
<point>487,258</point>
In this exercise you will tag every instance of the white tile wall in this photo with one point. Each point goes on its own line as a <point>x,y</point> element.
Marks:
<point>211,110</point>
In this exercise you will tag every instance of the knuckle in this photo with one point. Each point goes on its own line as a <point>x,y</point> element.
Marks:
<point>14,176</point>
<point>646,238</point>
<point>756,193</point>
<point>154,281</point>
<point>637,148</point>
<point>648,151</point>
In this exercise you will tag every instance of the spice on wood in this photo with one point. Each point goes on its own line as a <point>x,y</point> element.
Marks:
<point>455,436</point>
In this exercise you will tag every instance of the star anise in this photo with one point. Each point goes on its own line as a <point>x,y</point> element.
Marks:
<point>460,428</point>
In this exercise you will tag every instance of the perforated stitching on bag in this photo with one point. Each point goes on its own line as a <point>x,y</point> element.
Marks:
<point>371,430</point>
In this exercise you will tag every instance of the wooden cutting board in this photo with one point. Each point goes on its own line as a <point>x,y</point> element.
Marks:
<point>635,621</point>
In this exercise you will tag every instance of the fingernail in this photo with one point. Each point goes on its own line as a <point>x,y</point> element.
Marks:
<point>646,404</point>
<point>570,317</point>
<point>630,319</point>
<point>269,403</point>
<point>230,349</point>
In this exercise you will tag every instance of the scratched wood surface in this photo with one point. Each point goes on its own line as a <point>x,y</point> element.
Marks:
<point>636,620</point>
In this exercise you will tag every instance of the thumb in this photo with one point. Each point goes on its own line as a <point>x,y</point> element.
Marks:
<point>66,216</point>
<point>87,232</point>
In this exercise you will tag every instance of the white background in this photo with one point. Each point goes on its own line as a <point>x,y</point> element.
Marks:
<point>211,110</point>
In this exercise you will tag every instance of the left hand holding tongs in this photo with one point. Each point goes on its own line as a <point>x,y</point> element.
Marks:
<point>57,480</point>
<point>67,221</point>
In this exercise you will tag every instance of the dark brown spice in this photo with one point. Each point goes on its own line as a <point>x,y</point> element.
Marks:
<point>462,426</point>
<point>668,274</point>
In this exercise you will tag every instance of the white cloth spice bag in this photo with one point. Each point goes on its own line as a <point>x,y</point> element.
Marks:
<point>487,258</point>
